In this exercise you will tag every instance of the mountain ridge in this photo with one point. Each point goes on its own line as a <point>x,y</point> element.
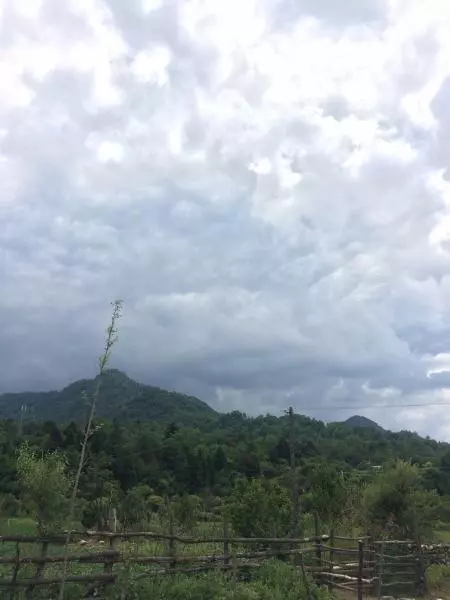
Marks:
<point>360,421</point>
<point>120,398</point>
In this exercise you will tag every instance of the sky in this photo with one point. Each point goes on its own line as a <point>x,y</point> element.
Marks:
<point>264,183</point>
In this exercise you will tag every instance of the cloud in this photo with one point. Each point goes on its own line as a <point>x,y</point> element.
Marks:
<point>265,184</point>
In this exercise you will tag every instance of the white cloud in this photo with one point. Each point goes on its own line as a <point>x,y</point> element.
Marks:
<point>263,182</point>
<point>151,66</point>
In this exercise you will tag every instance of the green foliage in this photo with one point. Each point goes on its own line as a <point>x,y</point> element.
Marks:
<point>185,511</point>
<point>206,458</point>
<point>136,506</point>
<point>260,508</point>
<point>274,581</point>
<point>438,579</point>
<point>329,492</point>
<point>45,483</point>
<point>396,497</point>
<point>120,398</point>
<point>98,512</point>
<point>178,445</point>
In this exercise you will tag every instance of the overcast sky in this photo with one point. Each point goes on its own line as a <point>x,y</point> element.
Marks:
<point>265,184</point>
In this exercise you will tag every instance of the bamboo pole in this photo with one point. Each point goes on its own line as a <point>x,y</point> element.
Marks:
<point>226,548</point>
<point>360,568</point>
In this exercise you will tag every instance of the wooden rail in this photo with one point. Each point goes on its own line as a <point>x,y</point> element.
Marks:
<point>355,568</point>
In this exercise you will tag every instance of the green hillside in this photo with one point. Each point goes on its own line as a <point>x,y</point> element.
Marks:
<point>358,421</point>
<point>120,398</point>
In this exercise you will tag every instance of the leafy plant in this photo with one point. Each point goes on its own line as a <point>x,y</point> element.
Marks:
<point>136,506</point>
<point>328,494</point>
<point>185,511</point>
<point>260,508</point>
<point>273,581</point>
<point>396,497</point>
<point>45,483</point>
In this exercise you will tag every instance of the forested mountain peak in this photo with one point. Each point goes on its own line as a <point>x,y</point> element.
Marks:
<point>120,397</point>
<point>359,421</point>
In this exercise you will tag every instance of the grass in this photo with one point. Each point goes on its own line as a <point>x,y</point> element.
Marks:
<point>133,548</point>
<point>442,535</point>
<point>439,577</point>
<point>136,547</point>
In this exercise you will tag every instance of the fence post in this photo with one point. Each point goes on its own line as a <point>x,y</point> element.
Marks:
<point>226,548</point>
<point>234,566</point>
<point>331,542</point>
<point>109,562</point>
<point>40,567</point>
<point>15,573</point>
<point>305,579</point>
<point>318,545</point>
<point>372,568</point>
<point>422,575</point>
<point>114,516</point>
<point>360,568</point>
<point>172,547</point>
<point>379,557</point>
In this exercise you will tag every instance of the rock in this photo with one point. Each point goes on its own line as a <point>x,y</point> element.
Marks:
<point>83,542</point>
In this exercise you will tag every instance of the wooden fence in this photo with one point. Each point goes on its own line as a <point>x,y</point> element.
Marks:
<point>401,568</point>
<point>357,565</point>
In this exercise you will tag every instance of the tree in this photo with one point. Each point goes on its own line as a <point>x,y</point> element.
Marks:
<point>98,512</point>
<point>396,497</point>
<point>136,507</point>
<point>185,510</point>
<point>328,493</point>
<point>260,508</point>
<point>44,480</point>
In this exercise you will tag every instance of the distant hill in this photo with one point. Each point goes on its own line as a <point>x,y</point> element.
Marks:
<point>358,421</point>
<point>120,398</point>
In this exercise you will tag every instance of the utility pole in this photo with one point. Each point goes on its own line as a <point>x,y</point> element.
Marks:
<point>20,424</point>
<point>294,480</point>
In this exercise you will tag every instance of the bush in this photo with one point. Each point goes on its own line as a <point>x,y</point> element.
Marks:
<point>45,482</point>
<point>273,581</point>
<point>135,508</point>
<point>185,511</point>
<point>396,496</point>
<point>260,508</point>
<point>438,578</point>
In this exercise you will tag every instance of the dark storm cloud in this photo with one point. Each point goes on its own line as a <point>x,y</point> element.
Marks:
<point>262,189</point>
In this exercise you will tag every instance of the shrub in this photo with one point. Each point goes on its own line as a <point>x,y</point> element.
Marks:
<point>273,581</point>
<point>397,496</point>
<point>44,479</point>
<point>260,508</point>
<point>438,578</point>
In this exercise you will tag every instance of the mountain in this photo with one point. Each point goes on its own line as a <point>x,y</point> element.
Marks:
<point>358,421</point>
<point>120,397</point>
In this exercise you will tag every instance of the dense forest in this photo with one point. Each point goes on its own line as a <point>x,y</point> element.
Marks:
<point>158,461</point>
<point>160,444</point>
